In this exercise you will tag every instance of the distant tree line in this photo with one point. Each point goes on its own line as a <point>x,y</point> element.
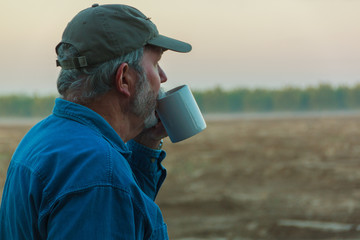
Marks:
<point>26,106</point>
<point>321,97</point>
<point>218,100</point>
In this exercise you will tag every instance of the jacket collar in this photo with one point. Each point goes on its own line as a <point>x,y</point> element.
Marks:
<point>93,120</point>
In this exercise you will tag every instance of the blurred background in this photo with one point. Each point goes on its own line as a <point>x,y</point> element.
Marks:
<point>236,43</point>
<point>279,84</point>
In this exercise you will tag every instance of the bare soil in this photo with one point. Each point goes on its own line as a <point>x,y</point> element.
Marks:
<point>276,178</point>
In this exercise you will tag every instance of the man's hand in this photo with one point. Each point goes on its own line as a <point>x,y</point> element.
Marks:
<point>151,137</point>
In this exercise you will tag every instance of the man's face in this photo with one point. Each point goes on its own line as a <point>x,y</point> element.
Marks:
<point>147,92</point>
<point>151,67</point>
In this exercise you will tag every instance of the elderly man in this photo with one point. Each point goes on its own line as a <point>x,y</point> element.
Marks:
<point>92,169</point>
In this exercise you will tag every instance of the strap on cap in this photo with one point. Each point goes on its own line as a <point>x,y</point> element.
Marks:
<point>72,63</point>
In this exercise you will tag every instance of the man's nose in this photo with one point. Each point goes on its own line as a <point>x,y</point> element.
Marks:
<point>163,77</point>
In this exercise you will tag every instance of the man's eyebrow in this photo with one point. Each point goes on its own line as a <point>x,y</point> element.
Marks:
<point>159,52</point>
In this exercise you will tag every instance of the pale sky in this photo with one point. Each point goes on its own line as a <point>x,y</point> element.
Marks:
<point>236,43</point>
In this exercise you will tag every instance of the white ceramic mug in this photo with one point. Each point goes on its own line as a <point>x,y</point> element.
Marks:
<point>180,114</point>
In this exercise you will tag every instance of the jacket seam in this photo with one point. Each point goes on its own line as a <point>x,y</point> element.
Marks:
<point>89,188</point>
<point>36,174</point>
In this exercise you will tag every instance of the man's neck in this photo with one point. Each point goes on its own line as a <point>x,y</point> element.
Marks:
<point>115,112</point>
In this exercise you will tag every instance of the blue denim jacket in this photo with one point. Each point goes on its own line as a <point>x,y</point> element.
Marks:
<point>72,177</point>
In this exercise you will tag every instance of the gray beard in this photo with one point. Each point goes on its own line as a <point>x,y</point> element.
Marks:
<point>152,120</point>
<point>144,102</point>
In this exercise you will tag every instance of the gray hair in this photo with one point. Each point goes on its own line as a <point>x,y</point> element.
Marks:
<point>85,84</point>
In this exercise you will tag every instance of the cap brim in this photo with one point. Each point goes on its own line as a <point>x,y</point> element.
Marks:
<point>170,44</point>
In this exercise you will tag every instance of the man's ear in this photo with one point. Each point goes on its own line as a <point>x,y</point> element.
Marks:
<point>124,79</point>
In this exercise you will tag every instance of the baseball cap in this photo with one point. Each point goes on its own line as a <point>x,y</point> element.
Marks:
<point>103,32</point>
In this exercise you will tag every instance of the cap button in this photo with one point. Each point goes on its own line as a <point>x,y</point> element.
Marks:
<point>95,5</point>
